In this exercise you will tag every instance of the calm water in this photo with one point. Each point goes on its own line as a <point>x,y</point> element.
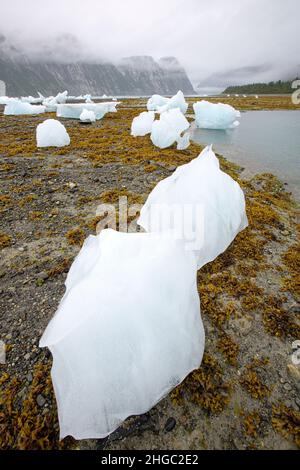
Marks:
<point>265,141</point>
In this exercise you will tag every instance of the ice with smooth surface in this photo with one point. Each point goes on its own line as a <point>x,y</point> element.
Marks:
<point>127,331</point>
<point>52,133</point>
<point>74,110</point>
<point>215,115</point>
<point>204,204</point>
<point>87,116</point>
<point>142,124</point>
<point>16,107</point>
<point>168,128</point>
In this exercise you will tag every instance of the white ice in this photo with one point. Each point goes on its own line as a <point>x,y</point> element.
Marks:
<point>5,99</point>
<point>168,128</point>
<point>177,101</point>
<point>161,104</point>
<point>202,203</point>
<point>155,102</point>
<point>50,103</point>
<point>87,116</point>
<point>127,331</point>
<point>16,107</point>
<point>215,115</point>
<point>61,98</point>
<point>142,124</point>
<point>183,142</point>
<point>74,110</point>
<point>52,133</point>
<point>31,99</point>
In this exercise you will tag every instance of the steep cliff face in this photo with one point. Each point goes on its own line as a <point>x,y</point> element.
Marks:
<point>139,75</point>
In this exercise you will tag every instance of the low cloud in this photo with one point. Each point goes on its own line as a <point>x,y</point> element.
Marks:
<point>217,42</point>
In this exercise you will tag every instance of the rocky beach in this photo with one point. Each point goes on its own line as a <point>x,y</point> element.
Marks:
<point>245,395</point>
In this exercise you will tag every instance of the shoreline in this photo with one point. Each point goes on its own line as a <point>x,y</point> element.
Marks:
<point>245,395</point>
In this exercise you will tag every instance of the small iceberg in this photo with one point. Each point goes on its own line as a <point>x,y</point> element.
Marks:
<point>168,128</point>
<point>127,331</point>
<point>52,133</point>
<point>16,107</point>
<point>87,116</point>
<point>155,102</point>
<point>142,124</point>
<point>215,115</point>
<point>184,141</point>
<point>74,110</point>
<point>5,100</point>
<point>32,99</point>
<point>161,104</point>
<point>204,205</point>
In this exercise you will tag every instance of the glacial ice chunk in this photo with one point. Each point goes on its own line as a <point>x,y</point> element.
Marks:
<point>127,331</point>
<point>215,115</point>
<point>87,116</point>
<point>61,98</point>
<point>5,99</point>
<point>155,102</point>
<point>168,128</point>
<point>52,133</point>
<point>16,107</point>
<point>161,104</point>
<point>142,124</point>
<point>31,99</point>
<point>203,204</point>
<point>74,110</point>
<point>50,103</point>
<point>183,142</point>
<point>177,101</point>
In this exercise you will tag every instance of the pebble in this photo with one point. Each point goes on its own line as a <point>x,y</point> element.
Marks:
<point>287,386</point>
<point>293,371</point>
<point>29,377</point>
<point>40,400</point>
<point>27,356</point>
<point>170,424</point>
<point>42,275</point>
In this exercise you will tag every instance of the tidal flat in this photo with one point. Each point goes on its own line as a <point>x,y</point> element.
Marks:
<point>246,393</point>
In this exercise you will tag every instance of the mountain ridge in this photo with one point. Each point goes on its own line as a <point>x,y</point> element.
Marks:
<point>134,75</point>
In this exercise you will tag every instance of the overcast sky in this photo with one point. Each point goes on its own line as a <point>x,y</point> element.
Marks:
<point>217,41</point>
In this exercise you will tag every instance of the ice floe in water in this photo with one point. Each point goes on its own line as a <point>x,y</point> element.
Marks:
<point>87,116</point>
<point>142,124</point>
<point>16,107</point>
<point>161,104</point>
<point>52,133</point>
<point>202,203</point>
<point>127,331</point>
<point>74,110</point>
<point>168,128</point>
<point>215,115</point>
